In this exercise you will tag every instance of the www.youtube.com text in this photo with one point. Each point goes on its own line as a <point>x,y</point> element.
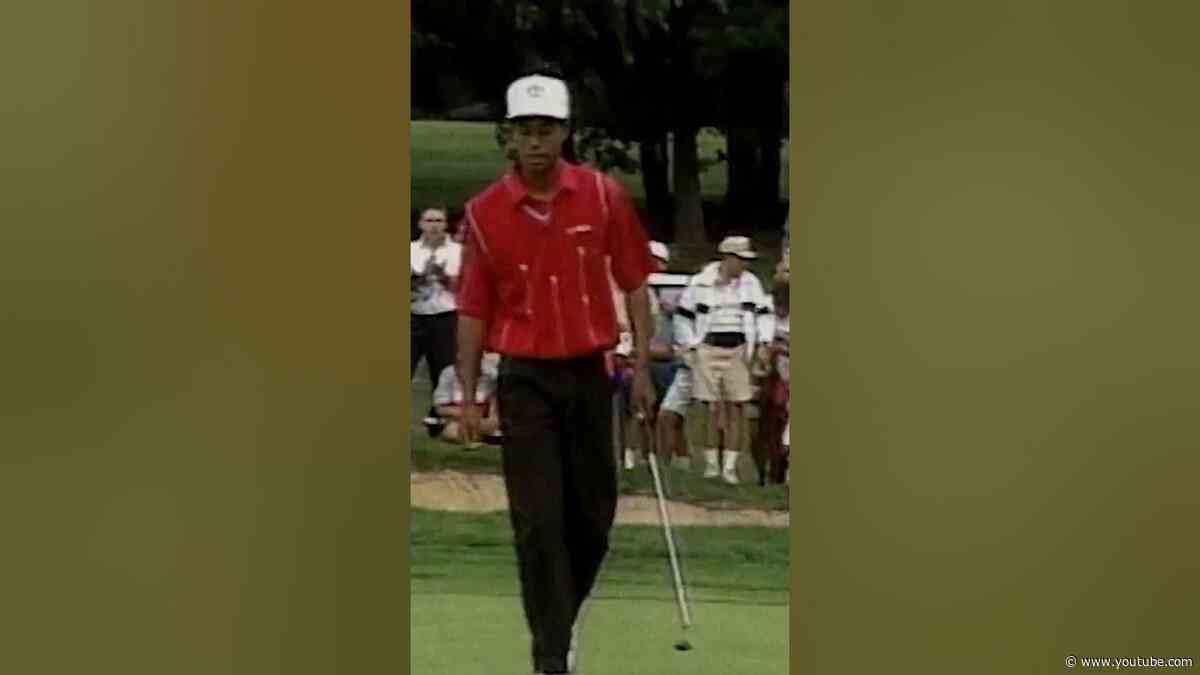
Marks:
<point>1126,663</point>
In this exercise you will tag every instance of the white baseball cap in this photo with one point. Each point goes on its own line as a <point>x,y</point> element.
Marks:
<point>659,250</point>
<point>739,246</point>
<point>539,96</point>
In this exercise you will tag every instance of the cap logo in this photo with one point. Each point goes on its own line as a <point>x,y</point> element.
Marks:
<point>535,90</point>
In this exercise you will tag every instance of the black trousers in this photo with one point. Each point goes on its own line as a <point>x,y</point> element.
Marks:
<point>560,472</point>
<point>434,339</point>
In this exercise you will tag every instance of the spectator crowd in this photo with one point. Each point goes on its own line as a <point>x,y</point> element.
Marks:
<point>720,353</point>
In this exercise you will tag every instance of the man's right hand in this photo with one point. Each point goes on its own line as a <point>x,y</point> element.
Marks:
<point>688,357</point>
<point>470,423</point>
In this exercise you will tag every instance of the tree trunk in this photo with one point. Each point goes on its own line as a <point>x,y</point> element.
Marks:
<point>770,142</point>
<point>524,46</point>
<point>689,211</point>
<point>741,152</point>
<point>653,152</point>
<point>553,48</point>
<point>685,126</point>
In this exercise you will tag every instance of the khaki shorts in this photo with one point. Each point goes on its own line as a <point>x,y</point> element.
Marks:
<point>721,374</point>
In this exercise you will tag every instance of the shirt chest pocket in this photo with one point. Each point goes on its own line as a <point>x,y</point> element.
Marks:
<point>584,244</point>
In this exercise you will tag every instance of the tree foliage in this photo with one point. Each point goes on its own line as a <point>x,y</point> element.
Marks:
<point>641,71</point>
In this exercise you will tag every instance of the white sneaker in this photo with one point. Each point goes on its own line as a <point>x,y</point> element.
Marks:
<point>574,648</point>
<point>712,467</point>
<point>630,459</point>
<point>729,475</point>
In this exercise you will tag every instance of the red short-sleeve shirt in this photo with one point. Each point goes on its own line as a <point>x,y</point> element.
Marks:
<point>538,273</point>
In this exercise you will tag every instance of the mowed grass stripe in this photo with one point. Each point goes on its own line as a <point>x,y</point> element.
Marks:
<point>473,554</point>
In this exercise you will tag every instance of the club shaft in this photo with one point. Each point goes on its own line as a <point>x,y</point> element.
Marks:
<point>680,598</point>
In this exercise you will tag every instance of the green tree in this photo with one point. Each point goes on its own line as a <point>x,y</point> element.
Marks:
<point>650,72</point>
<point>753,50</point>
<point>690,64</point>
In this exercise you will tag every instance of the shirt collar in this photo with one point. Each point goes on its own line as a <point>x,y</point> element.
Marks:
<point>708,275</point>
<point>431,247</point>
<point>567,177</point>
<point>711,275</point>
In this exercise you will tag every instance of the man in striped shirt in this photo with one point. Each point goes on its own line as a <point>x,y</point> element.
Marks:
<point>724,322</point>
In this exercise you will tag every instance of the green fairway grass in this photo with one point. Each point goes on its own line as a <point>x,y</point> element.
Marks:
<point>473,554</point>
<point>458,634</point>
<point>467,617</point>
<point>451,161</point>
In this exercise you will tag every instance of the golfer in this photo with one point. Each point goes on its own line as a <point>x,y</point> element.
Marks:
<point>540,244</point>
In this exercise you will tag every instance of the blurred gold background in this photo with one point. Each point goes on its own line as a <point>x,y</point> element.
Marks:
<point>203,216</point>
<point>994,268</point>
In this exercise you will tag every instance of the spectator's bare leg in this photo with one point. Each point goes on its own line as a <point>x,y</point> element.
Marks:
<point>628,434</point>
<point>683,442</point>
<point>489,425</point>
<point>733,439</point>
<point>713,423</point>
<point>672,438</point>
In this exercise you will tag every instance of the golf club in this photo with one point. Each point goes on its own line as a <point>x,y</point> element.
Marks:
<point>685,615</point>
